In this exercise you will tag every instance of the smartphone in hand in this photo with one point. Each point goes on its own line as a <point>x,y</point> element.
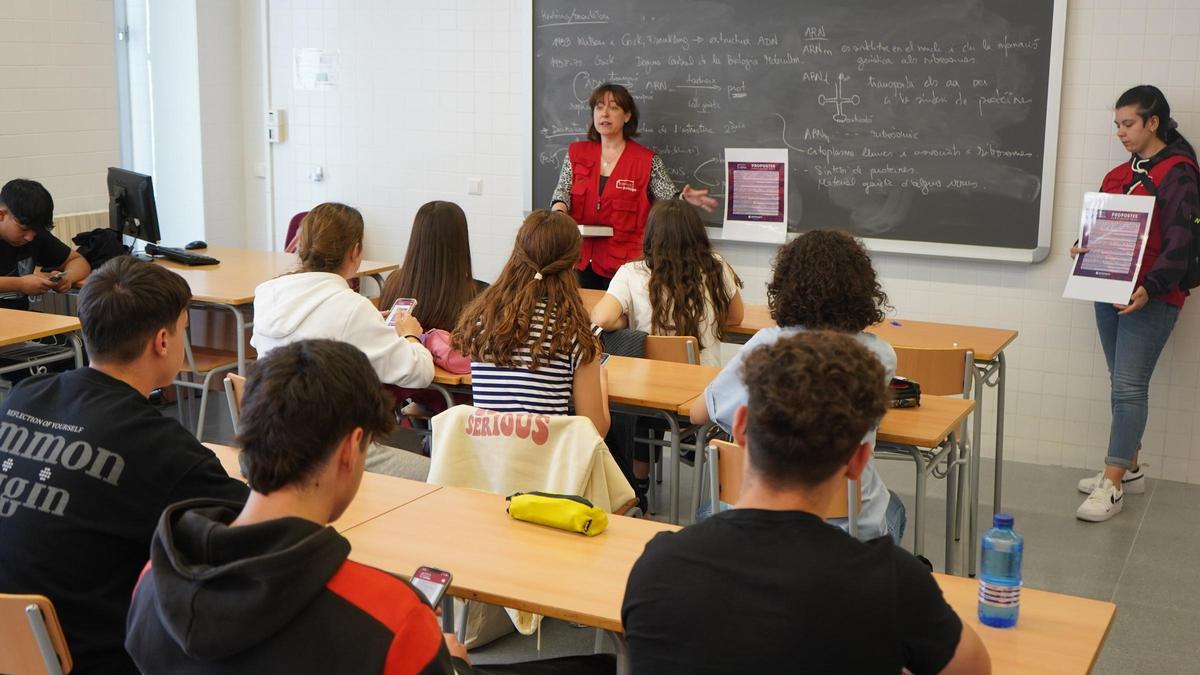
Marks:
<point>399,308</point>
<point>432,583</point>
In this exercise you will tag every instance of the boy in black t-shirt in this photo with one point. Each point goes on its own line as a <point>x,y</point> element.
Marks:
<point>87,465</point>
<point>769,586</point>
<point>26,218</point>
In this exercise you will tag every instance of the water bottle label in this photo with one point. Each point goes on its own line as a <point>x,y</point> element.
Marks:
<point>999,596</point>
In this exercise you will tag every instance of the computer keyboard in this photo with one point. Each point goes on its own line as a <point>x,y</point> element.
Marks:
<point>180,255</point>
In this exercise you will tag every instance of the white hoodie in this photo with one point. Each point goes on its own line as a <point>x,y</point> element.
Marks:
<point>311,305</point>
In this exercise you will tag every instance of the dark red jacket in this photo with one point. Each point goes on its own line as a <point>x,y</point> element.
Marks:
<point>1174,173</point>
<point>622,206</point>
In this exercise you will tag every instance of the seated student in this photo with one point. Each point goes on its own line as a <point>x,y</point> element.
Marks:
<point>531,345</point>
<point>806,597</point>
<point>267,587</point>
<point>89,464</point>
<point>317,302</point>
<point>823,279</point>
<point>437,273</point>
<point>26,218</point>
<point>679,287</point>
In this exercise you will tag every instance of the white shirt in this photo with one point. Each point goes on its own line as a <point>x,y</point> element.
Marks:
<point>631,287</point>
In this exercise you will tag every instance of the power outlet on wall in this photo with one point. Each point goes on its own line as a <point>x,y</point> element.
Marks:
<point>474,186</point>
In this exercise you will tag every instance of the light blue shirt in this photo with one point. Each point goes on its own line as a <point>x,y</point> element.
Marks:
<point>727,392</point>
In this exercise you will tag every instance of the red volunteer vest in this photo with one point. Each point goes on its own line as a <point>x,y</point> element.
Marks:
<point>1115,183</point>
<point>623,206</point>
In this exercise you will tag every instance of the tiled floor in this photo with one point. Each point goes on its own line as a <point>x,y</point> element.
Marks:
<point>1146,559</point>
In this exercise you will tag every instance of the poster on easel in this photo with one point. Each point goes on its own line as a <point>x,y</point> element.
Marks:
<point>756,194</point>
<point>1113,229</point>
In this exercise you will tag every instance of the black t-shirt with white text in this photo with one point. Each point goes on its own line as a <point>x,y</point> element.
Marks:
<point>16,261</point>
<point>87,466</point>
<point>756,591</point>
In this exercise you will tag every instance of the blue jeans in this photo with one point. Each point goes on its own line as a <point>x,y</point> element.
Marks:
<point>896,516</point>
<point>1131,345</point>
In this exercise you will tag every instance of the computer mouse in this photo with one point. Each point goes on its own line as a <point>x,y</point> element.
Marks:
<point>195,245</point>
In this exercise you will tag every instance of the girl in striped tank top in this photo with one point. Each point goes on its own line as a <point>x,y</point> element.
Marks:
<point>531,344</point>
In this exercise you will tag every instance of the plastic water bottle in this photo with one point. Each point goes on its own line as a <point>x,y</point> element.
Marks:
<point>1000,573</point>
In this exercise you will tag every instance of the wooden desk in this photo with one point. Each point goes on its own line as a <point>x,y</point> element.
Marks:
<point>19,326</point>
<point>231,284</point>
<point>926,426</point>
<point>1055,633</point>
<point>754,319</point>
<point>987,343</point>
<point>501,561</point>
<point>582,579</point>
<point>377,495</point>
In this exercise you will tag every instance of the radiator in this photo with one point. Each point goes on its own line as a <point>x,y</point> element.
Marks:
<point>67,225</point>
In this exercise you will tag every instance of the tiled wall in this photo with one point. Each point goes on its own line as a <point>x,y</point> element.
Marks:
<point>58,103</point>
<point>434,93</point>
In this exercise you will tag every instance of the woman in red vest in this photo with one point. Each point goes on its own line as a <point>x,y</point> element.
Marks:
<point>611,180</point>
<point>1163,164</point>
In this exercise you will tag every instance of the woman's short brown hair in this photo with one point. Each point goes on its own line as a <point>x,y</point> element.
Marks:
<point>824,279</point>
<point>621,97</point>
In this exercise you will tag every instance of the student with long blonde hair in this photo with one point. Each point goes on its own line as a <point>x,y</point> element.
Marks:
<point>531,344</point>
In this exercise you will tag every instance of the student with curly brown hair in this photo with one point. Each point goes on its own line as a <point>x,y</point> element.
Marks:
<point>822,280</point>
<point>806,597</point>
<point>531,344</point>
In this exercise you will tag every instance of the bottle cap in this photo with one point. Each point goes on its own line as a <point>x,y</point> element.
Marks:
<point>1002,520</point>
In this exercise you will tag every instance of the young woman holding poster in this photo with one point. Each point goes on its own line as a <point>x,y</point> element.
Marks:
<point>610,180</point>
<point>1163,164</point>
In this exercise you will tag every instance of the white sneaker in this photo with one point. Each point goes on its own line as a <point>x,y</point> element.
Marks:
<point>1133,483</point>
<point>1104,503</point>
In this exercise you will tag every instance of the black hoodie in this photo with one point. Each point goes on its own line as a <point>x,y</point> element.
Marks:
<point>275,597</point>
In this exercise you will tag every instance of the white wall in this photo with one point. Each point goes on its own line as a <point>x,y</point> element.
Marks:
<point>434,93</point>
<point>219,54</point>
<point>58,104</point>
<point>175,85</point>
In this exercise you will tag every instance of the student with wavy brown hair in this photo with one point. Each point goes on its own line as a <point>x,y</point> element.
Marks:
<point>531,344</point>
<point>681,286</point>
<point>822,280</point>
<point>437,267</point>
<point>316,301</point>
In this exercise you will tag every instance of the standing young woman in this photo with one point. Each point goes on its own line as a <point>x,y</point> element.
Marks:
<point>610,179</point>
<point>531,344</point>
<point>1163,164</point>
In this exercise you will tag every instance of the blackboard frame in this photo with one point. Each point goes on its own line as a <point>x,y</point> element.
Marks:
<point>905,247</point>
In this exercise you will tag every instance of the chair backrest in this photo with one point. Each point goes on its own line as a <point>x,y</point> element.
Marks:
<point>505,453</point>
<point>940,372</point>
<point>289,241</point>
<point>730,470</point>
<point>32,636</point>
<point>235,386</point>
<point>674,348</point>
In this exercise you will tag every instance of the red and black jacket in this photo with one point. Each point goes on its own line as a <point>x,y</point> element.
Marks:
<point>1173,173</point>
<point>623,205</point>
<point>275,597</point>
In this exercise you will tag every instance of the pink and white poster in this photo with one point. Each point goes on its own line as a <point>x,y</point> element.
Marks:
<point>756,194</point>
<point>1113,229</point>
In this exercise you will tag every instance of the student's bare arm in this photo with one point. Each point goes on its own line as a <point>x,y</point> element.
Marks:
<point>737,310</point>
<point>608,315</point>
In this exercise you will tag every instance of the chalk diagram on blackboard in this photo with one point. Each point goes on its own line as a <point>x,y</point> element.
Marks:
<point>838,100</point>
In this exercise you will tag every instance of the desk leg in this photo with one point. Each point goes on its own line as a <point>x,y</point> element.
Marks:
<point>676,463</point>
<point>447,613</point>
<point>996,506</point>
<point>622,650</point>
<point>240,322</point>
<point>976,452</point>
<point>702,433</point>
<point>444,392</point>
<point>77,345</point>
<point>952,506</point>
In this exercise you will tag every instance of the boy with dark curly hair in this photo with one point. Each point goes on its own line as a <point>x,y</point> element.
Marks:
<point>822,280</point>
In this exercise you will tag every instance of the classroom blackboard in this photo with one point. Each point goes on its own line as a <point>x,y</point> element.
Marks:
<point>925,126</point>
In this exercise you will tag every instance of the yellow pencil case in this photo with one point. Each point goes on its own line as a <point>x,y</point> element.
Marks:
<point>565,512</point>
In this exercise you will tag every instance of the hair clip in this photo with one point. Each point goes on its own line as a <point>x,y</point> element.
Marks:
<point>537,275</point>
